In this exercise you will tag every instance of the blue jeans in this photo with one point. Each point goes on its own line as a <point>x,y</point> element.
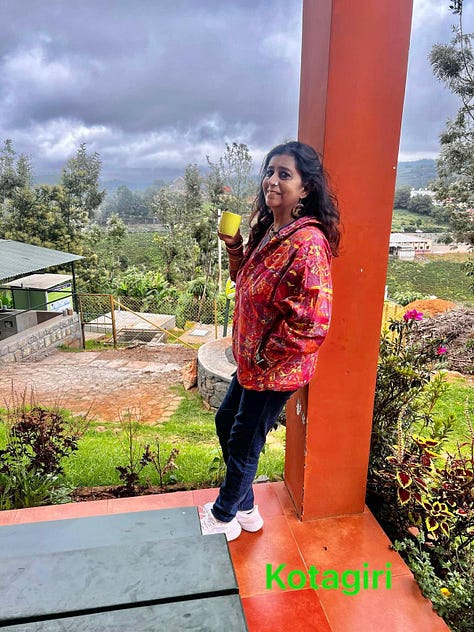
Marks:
<point>242,423</point>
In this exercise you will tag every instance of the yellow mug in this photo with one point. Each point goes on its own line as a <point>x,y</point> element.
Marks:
<point>229,223</point>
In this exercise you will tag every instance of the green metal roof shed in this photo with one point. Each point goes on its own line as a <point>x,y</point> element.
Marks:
<point>18,259</point>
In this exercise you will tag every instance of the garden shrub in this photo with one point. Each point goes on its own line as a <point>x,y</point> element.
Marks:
<point>31,462</point>
<point>405,296</point>
<point>5,300</point>
<point>405,368</point>
<point>422,495</point>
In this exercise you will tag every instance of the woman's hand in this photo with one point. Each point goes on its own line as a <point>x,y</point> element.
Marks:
<point>231,241</point>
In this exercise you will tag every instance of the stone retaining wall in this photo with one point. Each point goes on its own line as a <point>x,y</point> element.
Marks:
<point>211,387</point>
<point>41,339</point>
<point>214,371</point>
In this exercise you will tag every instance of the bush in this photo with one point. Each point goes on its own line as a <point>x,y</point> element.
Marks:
<point>423,497</point>
<point>5,300</point>
<point>435,498</point>
<point>149,288</point>
<point>404,370</point>
<point>422,204</point>
<point>31,462</point>
<point>440,276</point>
<point>20,488</point>
<point>404,296</point>
<point>452,594</point>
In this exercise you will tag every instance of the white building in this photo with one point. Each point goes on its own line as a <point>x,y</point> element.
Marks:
<point>427,192</point>
<point>406,245</point>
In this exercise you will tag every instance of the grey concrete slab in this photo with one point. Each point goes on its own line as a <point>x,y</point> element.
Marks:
<point>104,578</point>
<point>213,614</point>
<point>80,533</point>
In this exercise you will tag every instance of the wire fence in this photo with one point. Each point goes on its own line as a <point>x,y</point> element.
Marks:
<point>126,320</point>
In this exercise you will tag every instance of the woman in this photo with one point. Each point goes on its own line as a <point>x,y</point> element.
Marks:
<point>282,313</point>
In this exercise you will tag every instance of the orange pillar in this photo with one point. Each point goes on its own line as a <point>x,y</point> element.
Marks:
<point>353,71</point>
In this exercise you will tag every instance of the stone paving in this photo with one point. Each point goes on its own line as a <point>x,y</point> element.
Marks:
<point>104,384</point>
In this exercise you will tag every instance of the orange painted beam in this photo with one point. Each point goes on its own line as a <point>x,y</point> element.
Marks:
<point>353,72</point>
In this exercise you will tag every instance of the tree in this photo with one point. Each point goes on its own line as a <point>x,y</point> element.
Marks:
<point>24,170</point>
<point>55,217</point>
<point>402,197</point>
<point>127,204</point>
<point>204,233</point>
<point>192,193</point>
<point>13,174</point>
<point>180,214</point>
<point>422,204</point>
<point>233,171</point>
<point>80,177</point>
<point>214,187</point>
<point>168,207</point>
<point>44,216</point>
<point>453,64</point>
<point>105,254</point>
<point>178,252</point>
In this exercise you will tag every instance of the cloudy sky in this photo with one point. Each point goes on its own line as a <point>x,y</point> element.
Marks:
<point>156,84</point>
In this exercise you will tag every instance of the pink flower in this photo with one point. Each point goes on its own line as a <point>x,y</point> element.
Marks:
<point>412,314</point>
<point>441,350</point>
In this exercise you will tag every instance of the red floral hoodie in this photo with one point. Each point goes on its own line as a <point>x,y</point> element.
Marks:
<point>282,308</point>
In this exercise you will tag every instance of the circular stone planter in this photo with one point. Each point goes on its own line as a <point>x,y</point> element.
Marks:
<point>216,366</point>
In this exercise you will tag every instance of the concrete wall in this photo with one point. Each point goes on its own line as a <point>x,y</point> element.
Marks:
<point>41,339</point>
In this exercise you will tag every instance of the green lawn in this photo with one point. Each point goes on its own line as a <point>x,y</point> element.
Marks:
<point>191,430</point>
<point>458,402</point>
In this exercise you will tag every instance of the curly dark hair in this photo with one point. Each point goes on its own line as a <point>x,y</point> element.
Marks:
<point>320,203</point>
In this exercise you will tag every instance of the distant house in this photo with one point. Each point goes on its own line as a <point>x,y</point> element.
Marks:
<point>178,185</point>
<point>406,246</point>
<point>427,192</point>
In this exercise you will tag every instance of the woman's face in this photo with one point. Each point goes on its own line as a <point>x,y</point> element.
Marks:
<point>282,185</point>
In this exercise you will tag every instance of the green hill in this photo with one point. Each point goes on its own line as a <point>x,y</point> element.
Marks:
<point>417,173</point>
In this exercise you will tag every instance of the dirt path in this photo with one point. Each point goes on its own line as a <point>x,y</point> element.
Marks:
<point>108,383</point>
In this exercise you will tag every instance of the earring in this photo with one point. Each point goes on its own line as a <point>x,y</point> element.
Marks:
<point>297,212</point>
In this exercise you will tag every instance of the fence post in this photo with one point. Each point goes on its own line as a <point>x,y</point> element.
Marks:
<point>81,320</point>
<point>215,318</point>
<point>226,317</point>
<point>112,315</point>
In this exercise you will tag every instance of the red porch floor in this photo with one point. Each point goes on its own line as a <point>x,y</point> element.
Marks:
<point>338,544</point>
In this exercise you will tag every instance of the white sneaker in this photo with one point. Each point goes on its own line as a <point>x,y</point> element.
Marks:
<point>210,524</point>
<point>250,520</point>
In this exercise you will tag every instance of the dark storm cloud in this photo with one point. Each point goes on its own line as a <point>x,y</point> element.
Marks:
<point>162,82</point>
<point>206,69</point>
